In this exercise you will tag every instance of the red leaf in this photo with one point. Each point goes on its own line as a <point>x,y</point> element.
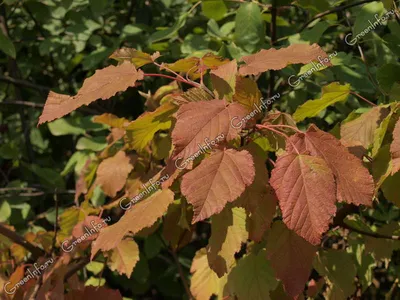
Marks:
<point>104,84</point>
<point>305,188</point>
<point>354,183</point>
<point>276,59</point>
<point>198,121</point>
<point>291,257</point>
<point>219,179</point>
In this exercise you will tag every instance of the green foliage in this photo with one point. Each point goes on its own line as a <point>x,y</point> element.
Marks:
<point>229,221</point>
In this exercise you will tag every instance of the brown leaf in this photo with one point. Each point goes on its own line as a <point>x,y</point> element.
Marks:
<point>395,148</point>
<point>104,84</point>
<point>276,59</point>
<point>203,122</point>
<point>219,179</point>
<point>113,172</point>
<point>143,214</point>
<point>247,93</point>
<point>354,183</point>
<point>291,257</point>
<point>305,188</point>
<point>259,201</point>
<point>363,128</point>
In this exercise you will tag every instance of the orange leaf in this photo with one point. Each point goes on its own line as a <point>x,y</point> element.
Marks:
<point>395,148</point>
<point>219,179</point>
<point>305,188</point>
<point>143,214</point>
<point>276,59</point>
<point>354,183</point>
<point>113,172</point>
<point>104,84</point>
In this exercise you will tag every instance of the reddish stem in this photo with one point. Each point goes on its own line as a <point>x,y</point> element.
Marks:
<point>170,77</point>
<point>280,133</point>
<point>283,126</point>
<point>362,98</point>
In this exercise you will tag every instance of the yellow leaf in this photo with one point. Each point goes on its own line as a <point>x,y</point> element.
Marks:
<point>124,257</point>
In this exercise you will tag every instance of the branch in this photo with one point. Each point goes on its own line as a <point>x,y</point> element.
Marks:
<point>36,251</point>
<point>334,10</point>
<point>24,103</point>
<point>24,83</point>
<point>72,269</point>
<point>371,234</point>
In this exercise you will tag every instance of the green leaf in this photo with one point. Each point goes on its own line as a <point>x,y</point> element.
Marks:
<point>7,46</point>
<point>331,94</point>
<point>5,211</point>
<point>340,269</point>
<point>98,6</point>
<point>252,278</point>
<point>214,9</point>
<point>387,75</point>
<point>141,131</point>
<point>97,143</point>
<point>249,27</point>
<point>170,32</point>
<point>95,267</point>
<point>65,126</point>
<point>49,177</point>
<point>366,16</point>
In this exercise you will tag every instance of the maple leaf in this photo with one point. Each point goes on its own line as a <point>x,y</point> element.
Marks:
<point>228,232</point>
<point>363,128</point>
<point>112,173</point>
<point>204,282</point>
<point>219,179</point>
<point>395,148</point>
<point>291,257</point>
<point>224,79</point>
<point>140,132</point>
<point>252,278</point>
<point>331,94</point>
<point>136,57</point>
<point>124,257</point>
<point>141,215</point>
<point>354,183</point>
<point>276,59</point>
<point>93,292</point>
<point>192,95</point>
<point>305,188</point>
<point>104,84</point>
<point>205,120</point>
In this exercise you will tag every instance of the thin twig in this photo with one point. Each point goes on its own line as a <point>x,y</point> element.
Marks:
<point>334,10</point>
<point>55,223</point>
<point>371,234</point>
<point>181,274</point>
<point>24,83</point>
<point>36,251</point>
<point>24,103</point>
<point>362,98</point>
<point>287,138</point>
